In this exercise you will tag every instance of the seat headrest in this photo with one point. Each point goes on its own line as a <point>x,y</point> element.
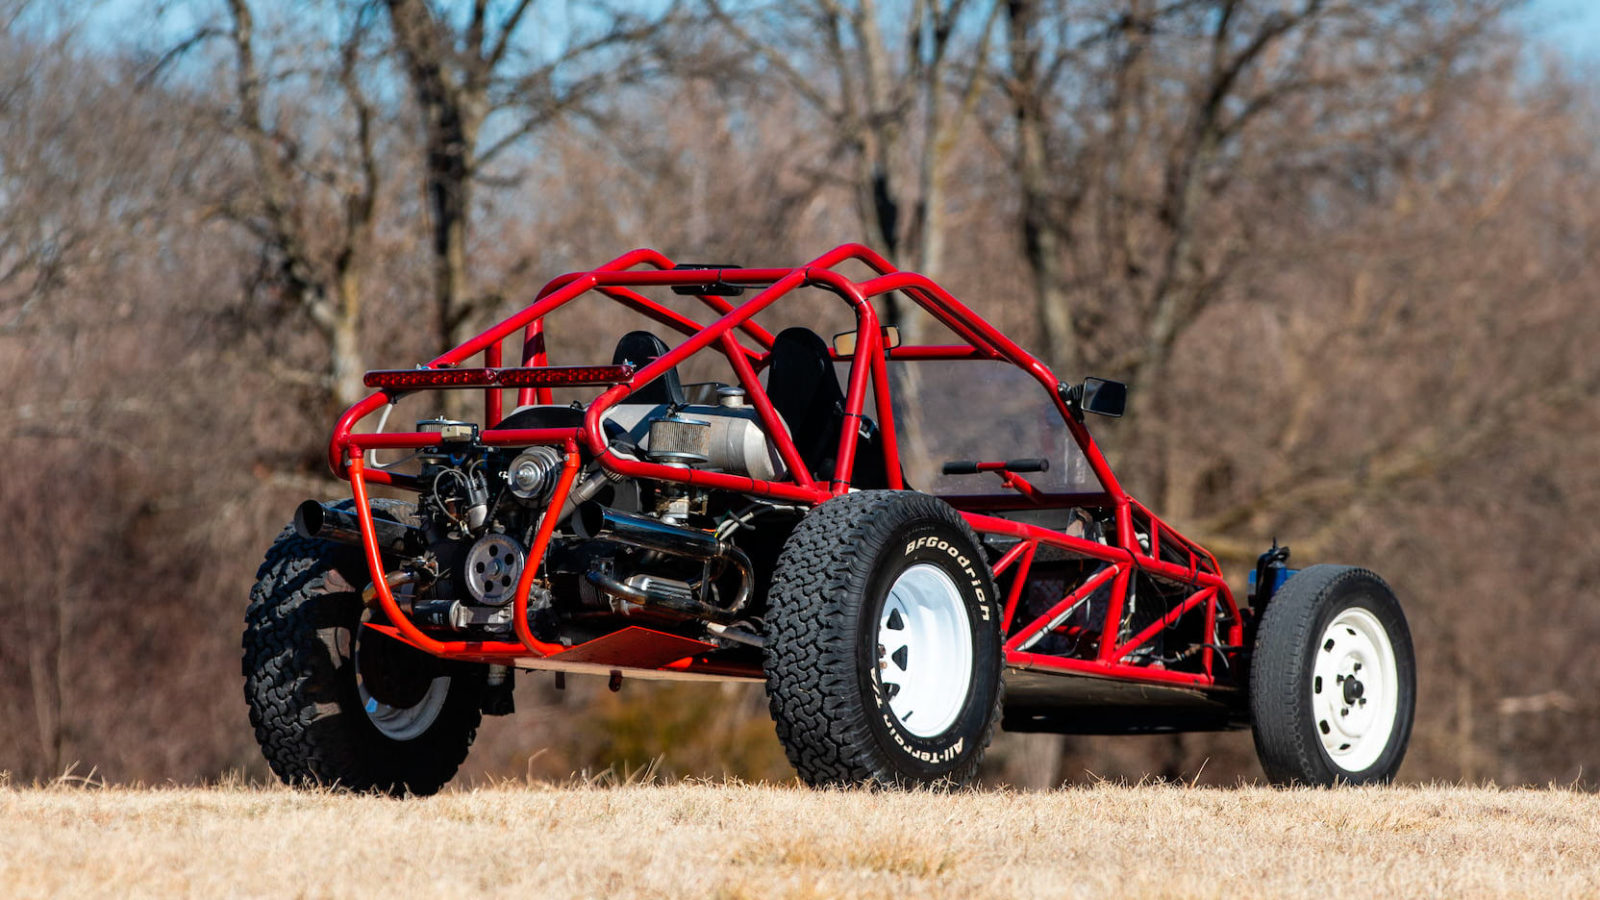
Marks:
<point>639,349</point>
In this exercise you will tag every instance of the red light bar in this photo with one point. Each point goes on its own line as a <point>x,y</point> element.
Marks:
<point>408,379</point>
<point>541,376</point>
<point>563,376</point>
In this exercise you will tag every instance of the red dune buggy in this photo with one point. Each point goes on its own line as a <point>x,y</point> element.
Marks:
<point>764,525</point>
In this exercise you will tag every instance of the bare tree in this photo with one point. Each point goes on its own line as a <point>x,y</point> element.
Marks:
<point>459,78</point>
<point>1044,237</point>
<point>883,106</point>
<point>318,269</point>
<point>95,334</point>
<point>1143,131</point>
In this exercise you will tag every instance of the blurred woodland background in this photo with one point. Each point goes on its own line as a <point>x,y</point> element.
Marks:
<point>1345,251</point>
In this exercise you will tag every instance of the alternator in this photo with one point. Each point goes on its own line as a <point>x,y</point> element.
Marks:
<point>533,474</point>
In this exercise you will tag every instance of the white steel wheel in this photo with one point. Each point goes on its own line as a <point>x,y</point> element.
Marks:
<point>883,653</point>
<point>1353,689</point>
<point>1333,680</point>
<point>925,650</point>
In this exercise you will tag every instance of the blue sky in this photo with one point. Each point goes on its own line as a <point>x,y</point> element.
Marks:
<point>1571,26</point>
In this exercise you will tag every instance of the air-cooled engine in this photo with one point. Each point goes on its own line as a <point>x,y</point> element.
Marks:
<point>648,551</point>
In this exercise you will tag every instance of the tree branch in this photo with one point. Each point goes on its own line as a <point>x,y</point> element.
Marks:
<point>507,31</point>
<point>797,81</point>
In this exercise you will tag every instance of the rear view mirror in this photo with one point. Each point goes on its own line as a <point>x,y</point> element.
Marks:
<point>844,345</point>
<point>1104,397</point>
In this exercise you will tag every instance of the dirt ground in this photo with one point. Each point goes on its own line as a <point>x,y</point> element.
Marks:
<point>737,840</point>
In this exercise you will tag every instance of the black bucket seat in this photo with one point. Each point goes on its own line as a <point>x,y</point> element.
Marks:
<point>804,390</point>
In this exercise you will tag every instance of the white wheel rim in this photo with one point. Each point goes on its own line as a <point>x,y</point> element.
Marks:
<point>1355,689</point>
<point>925,650</point>
<point>402,723</point>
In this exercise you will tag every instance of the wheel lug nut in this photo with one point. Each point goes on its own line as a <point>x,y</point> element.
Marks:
<point>1345,711</point>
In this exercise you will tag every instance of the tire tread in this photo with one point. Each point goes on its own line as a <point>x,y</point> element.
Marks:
<point>302,702</point>
<point>810,659</point>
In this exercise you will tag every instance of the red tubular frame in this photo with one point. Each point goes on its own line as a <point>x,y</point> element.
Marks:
<point>1135,549</point>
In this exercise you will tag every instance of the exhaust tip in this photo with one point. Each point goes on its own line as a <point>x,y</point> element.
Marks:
<point>317,521</point>
<point>309,518</point>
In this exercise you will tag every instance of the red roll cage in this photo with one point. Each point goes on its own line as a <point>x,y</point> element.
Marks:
<point>1138,544</point>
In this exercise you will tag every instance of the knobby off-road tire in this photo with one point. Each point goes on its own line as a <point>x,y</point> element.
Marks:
<point>337,704</point>
<point>1333,683</point>
<point>882,609</point>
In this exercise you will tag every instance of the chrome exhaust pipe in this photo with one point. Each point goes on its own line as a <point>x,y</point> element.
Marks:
<point>649,534</point>
<point>643,591</point>
<point>316,520</point>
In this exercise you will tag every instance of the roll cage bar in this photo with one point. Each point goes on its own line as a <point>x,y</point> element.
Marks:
<point>1141,542</point>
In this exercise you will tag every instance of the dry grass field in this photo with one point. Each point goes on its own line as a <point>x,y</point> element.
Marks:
<point>735,840</point>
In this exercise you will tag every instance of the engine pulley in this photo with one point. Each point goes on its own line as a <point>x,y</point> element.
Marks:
<point>493,566</point>
<point>533,474</point>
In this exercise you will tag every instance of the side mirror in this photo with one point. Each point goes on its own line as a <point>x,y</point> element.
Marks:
<point>844,345</point>
<point>1104,397</point>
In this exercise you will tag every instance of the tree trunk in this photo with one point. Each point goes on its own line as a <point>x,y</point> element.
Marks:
<point>47,676</point>
<point>1043,239</point>
<point>450,199</point>
<point>345,366</point>
<point>451,89</point>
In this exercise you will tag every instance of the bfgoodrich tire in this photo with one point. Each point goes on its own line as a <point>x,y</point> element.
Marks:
<point>883,644</point>
<point>337,704</point>
<point>1333,682</point>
